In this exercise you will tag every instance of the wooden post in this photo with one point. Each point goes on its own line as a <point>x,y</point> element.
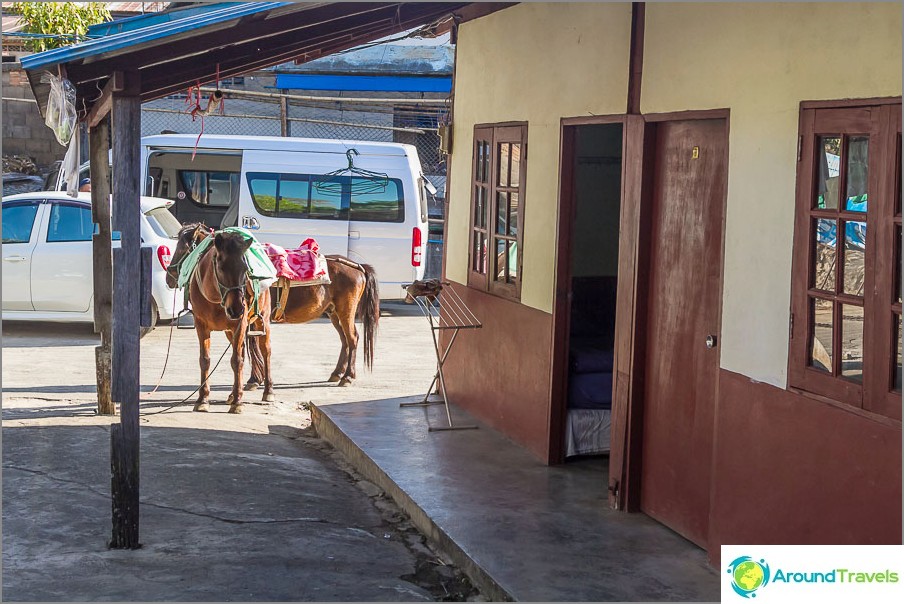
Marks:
<point>126,351</point>
<point>99,145</point>
<point>283,116</point>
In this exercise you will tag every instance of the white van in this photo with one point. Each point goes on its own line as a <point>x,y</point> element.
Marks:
<point>288,189</point>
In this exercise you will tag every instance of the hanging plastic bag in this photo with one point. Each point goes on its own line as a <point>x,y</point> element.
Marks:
<point>70,167</point>
<point>61,115</point>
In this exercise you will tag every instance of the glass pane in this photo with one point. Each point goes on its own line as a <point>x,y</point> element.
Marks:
<point>326,198</point>
<point>499,262</point>
<point>857,173</point>
<point>824,270</point>
<point>293,196</point>
<point>898,325</point>
<point>513,215</point>
<point>478,152</point>
<point>220,188</point>
<point>512,261</point>
<point>501,210</point>
<point>377,200</point>
<point>263,191</point>
<point>854,248</point>
<point>516,164</point>
<point>852,342</point>
<point>821,343</point>
<point>17,222</point>
<point>478,206</point>
<point>829,158</point>
<point>479,253</point>
<point>503,166</point>
<point>486,162</point>
<point>69,223</point>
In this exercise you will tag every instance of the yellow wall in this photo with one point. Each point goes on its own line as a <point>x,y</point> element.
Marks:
<point>761,60</point>
<point>535,63</point>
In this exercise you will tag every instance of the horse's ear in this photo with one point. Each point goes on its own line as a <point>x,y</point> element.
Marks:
<point>218,241</point>
<point>246,244</point>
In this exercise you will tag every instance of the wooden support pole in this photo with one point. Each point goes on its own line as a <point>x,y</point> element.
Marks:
<point>99,148</point>
<point>126,350</point>
<point>283,116</point>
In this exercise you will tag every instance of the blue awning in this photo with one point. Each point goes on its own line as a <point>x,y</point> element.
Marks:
<point>362,83</point>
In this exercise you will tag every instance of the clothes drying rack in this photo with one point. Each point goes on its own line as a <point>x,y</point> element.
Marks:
<point>445,312</point>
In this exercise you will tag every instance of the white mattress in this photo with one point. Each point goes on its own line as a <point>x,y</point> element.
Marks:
<point>587,431</point>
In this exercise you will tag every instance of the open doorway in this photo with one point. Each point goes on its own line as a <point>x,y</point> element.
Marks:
<point>592,179</point>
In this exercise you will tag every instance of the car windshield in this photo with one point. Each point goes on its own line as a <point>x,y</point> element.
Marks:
<point>163,222</point>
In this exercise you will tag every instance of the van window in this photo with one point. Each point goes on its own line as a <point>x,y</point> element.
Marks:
<point>385,204</point>
<point>209,188</point>
<point>326,198</point>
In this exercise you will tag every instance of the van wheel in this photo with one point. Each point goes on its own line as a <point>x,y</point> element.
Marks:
<point>155,316</point>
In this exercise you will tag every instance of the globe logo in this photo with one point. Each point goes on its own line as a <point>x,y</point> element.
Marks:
<point>748,575</point>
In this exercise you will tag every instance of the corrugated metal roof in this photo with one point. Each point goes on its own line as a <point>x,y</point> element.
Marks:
<point>147,36</point>
<point>146,20</point>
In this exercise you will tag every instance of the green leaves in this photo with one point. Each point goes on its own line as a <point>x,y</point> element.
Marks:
<point>59,18</point>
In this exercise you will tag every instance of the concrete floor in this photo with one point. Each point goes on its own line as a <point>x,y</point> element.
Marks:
<point>522,530</point>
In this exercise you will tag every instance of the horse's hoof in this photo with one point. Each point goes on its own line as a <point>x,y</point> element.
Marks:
<point>269,398</point>
<point>252,385</point>
<point>333,379</point>
<point>345,382</point>
<point>236,408</point>
<point>202,406</point>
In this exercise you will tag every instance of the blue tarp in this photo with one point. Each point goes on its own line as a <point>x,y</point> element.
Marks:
<point>364,82</point>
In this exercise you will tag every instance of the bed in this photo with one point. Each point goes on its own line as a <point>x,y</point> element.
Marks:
<point>589,419</point>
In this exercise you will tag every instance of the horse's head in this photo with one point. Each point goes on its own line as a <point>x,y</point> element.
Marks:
<point>189,237</point>
<point>231,272</point>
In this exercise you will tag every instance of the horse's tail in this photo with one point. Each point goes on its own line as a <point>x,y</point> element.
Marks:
<point>256,357</point>
<point>369,313</point>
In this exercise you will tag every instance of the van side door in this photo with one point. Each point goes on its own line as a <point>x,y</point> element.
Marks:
<point>285,199</point>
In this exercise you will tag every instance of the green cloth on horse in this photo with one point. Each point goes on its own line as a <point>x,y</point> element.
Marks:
<point>259,266</point>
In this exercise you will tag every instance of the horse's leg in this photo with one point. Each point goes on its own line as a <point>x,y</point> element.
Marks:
<point>204,390</point>
<point>254,354</point>
<point>341,365</point>
<point>350,339</point>
<point>238,341</point>
<point>265,350</point>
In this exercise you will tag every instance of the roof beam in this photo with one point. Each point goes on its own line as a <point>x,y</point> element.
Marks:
<point>161,81</point>
<point>102,106</point>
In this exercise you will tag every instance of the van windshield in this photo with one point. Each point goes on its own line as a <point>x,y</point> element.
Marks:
<point>163,222</point>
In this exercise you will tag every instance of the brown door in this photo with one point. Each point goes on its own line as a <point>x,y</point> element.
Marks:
<point>684,310</point>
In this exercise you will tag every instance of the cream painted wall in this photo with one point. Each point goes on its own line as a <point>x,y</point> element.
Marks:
<point>761,60</point>
<point>536,63</point>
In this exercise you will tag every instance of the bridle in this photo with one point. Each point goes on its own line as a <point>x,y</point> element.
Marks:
<point>224,289</point>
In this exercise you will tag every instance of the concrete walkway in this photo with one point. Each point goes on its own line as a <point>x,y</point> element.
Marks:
<point>521,530</point>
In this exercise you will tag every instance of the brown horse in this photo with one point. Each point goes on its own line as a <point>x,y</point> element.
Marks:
<point>222,299</point>
<point>352,293</point>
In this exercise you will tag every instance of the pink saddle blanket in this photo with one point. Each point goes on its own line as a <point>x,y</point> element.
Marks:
<point>304,263</point>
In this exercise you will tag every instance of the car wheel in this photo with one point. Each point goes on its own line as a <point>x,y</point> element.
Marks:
<point>155,316</point>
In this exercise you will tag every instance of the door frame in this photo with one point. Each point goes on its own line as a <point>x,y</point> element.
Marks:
<point>632,305</point>
<point>561,315</point>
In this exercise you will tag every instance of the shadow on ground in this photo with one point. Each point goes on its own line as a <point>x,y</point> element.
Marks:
<point>225,516</point>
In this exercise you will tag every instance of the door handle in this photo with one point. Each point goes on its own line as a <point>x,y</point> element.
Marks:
<point>14,259</point>
<point>711,341</point>
<point>250,222</point>
<point>354,235</point>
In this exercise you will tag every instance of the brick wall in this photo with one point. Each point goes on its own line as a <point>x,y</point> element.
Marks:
<point>24,132</point>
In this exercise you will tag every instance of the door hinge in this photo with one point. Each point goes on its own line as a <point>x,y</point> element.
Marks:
<point>800,145</point>
<point>791,327</point>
